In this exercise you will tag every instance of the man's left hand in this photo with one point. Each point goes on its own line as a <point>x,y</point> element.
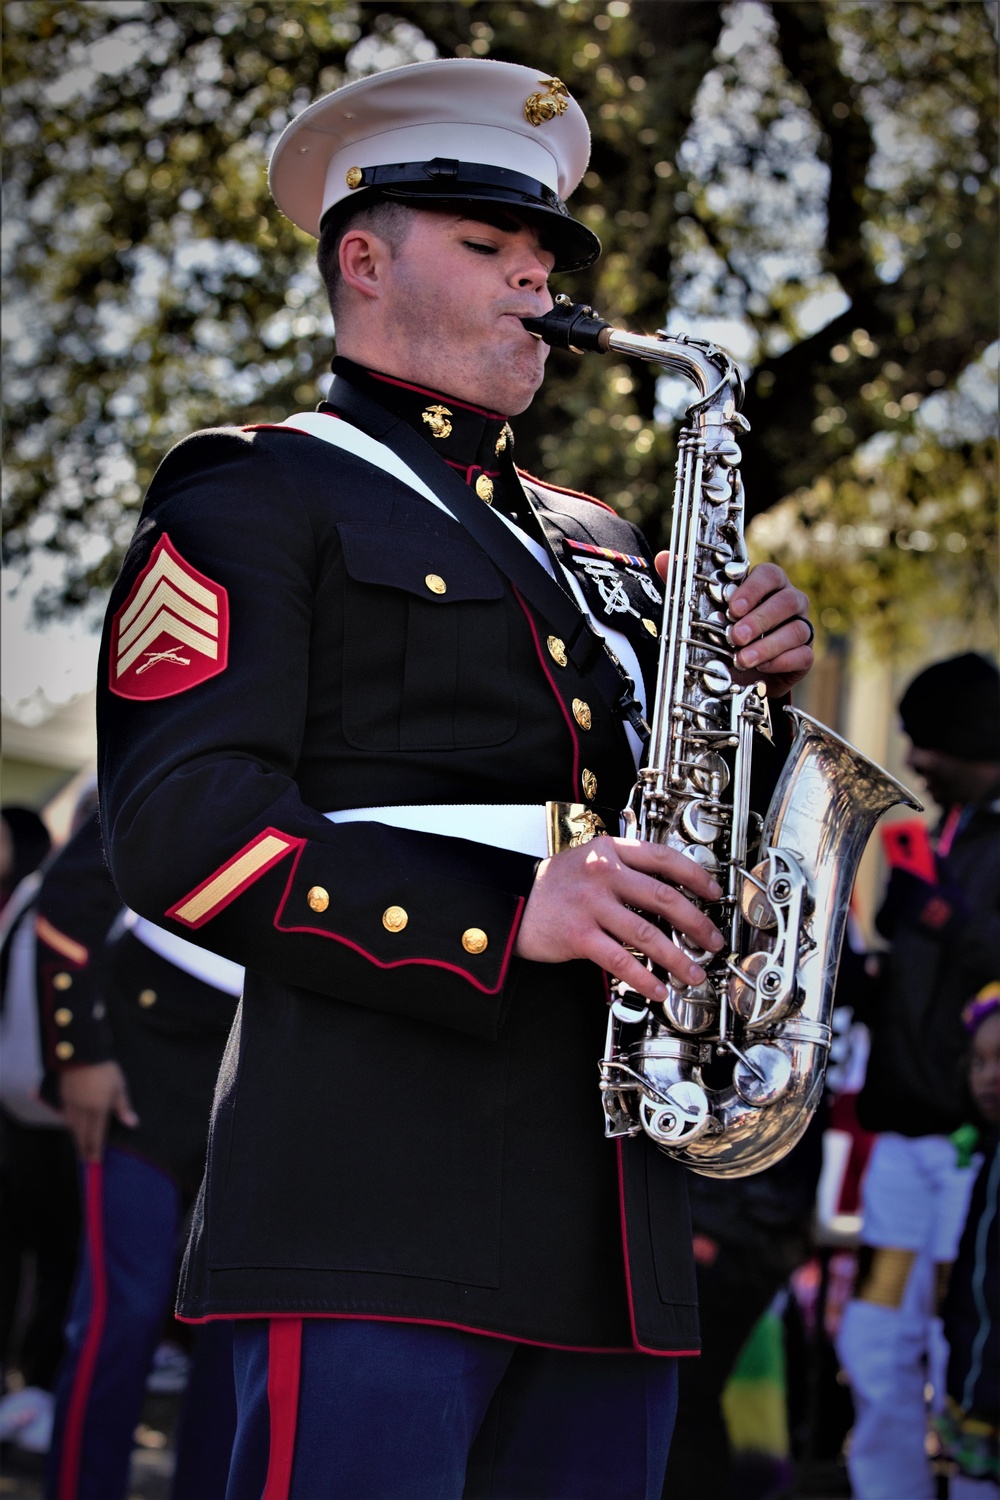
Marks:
<point>770,629</point>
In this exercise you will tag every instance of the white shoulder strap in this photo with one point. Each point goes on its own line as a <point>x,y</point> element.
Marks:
<point>341,434</point>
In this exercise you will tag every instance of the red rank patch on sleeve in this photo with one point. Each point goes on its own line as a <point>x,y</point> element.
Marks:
<point>172,632</point>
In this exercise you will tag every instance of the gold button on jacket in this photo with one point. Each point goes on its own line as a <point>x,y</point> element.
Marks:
<point>318,898</point>
<point>474,940</point>
<point>64,1051</point>
<point>147,998</point>
<point>484,488</point>
<point>582,714</point>
<point>436,584</point>
<point>62,982</point>
<point>557,650</point>
<point>63,1016</point>
<point>395,918</point>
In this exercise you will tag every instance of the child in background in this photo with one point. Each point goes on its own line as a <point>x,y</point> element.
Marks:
<point>970,1426</point>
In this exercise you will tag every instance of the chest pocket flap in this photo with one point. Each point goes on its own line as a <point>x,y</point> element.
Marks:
<point>419,562</point>
<point>425,642</point>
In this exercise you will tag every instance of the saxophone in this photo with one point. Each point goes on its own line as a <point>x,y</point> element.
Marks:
<point>761,1019</point>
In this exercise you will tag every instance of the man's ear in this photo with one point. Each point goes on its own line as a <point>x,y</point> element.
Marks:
<point>363,261</point>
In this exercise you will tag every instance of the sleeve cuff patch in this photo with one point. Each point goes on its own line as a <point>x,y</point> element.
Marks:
<point>232,878</point>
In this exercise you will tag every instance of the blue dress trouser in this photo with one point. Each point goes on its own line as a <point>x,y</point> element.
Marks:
<point>333,1409</point>
<point>123,1292</point>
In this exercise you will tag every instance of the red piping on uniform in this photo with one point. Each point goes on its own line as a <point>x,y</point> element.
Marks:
<point>284,1365</point>
<point>69,1462</point>
<point>467,470</point>
<point>561,489</point>
<point>570,725</point>
<point>283,426</point>
<point>404,385</point>
<point>399,963</point>
<point>640,1346</point>
<point>291,841</point>
<point>485,1333</point>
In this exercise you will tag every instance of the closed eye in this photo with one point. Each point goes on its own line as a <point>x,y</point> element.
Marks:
<point>480,247</point>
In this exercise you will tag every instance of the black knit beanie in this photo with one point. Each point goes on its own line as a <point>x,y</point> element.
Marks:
<point>954,706</point>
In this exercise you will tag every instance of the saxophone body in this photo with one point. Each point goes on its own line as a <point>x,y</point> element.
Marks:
<point>725,1075</point>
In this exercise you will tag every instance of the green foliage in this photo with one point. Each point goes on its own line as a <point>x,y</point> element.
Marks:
<point>820,176</point>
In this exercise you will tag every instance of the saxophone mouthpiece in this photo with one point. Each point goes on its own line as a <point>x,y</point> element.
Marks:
<point>571,325</point>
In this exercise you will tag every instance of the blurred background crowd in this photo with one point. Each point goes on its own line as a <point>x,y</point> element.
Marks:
<point>814,186</point>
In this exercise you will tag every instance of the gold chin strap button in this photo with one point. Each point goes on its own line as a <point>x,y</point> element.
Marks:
<point>582,714</point>
<point>651,626</point>
<point>484,488</point>
<point>318,898</point>
<point>63,1016</point>
<point>62,982</point>
<point>589,784</point>
<point>147,998</point>
<point>354,177</point>
<point>557,650</point>
<point>64,1051</point>
<point>394,918</point>
<point>436,583</point>
<point>474,940</point>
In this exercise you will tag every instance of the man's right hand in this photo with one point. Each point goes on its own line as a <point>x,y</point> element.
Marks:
<point>592,902</point>
<point>90,1094</point>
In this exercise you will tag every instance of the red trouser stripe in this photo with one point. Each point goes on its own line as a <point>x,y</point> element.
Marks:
<point>76,1413</point>
<point>284,1360</point>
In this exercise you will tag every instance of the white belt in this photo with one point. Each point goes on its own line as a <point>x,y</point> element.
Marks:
<point>520,827</point>
<point>221,973</point>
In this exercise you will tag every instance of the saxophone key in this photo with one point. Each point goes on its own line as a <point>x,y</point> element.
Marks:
<point>742,984</point>
<point>716,676</point>
<point>683,1118</point>
<point>763,1075</point>
<point>702,821</point>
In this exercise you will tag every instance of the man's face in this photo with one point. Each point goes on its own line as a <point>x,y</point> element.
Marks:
<point>949,779</point>
<point>456,292</point>
<point>984,1070</point>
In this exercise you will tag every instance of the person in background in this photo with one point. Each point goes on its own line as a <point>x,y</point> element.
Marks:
<point>134,1024</point>
<point>750,1234</point>
<point>944,933</point>
<point>39,1201</point>
<point>970,1425</point>
<point>24,843</point>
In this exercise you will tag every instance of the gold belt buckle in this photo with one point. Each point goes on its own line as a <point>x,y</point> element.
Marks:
<point>570,824</point>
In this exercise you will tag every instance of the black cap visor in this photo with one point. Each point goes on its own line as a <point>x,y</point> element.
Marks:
<point>445,180</point>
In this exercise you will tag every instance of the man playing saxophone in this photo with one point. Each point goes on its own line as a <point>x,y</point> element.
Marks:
<point>375,655</point>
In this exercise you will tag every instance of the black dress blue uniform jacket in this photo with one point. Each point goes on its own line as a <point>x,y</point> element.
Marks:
<point>403,1128</point>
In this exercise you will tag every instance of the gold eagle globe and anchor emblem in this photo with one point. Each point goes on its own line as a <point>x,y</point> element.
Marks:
<point>546,106</point>
<point>436,418</point>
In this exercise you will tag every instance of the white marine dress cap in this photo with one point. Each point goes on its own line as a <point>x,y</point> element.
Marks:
<point>454,130</point>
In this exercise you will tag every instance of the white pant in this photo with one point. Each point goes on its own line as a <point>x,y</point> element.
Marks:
<point>914,1198</point>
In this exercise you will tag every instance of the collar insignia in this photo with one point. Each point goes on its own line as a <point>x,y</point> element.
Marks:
<point>436,418</point>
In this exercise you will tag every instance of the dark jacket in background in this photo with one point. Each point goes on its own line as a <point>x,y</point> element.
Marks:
<point>915,1084</point>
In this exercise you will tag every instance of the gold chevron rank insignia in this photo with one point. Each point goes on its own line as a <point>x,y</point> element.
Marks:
<point>172,632</point>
